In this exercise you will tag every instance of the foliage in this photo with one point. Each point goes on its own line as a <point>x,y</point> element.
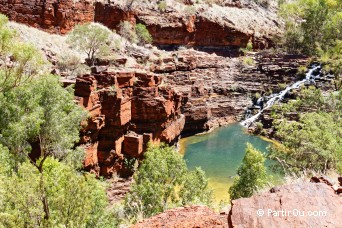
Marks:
<point>311,24</point>
<point>39,123</point>
<point>40,112</point>
<point>138,34</point>
<point>259,126</point>
<point>195,190</point>
<point>162,182</point>
<point>307,100</point>
<point>19,62</point>
<point>130,163</point>
<point>251,174</point>
<point>248,48</point>
<point>75,200</point>
<point>143,35</point>
<point>313,143</point>
<point>92,39</point>
<point>36,112</point>
<point>314,27</point>
<point>248,61</point>
<point>332,60</point>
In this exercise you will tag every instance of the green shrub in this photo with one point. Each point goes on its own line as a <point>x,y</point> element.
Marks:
<point>75,200</point>
<point>163,181</point>
<point>248,48</point>
<point>314,142</point>
<point>143,35</point>
<point>251,174</point>
<point>248,61</point>
<point>311,25</point>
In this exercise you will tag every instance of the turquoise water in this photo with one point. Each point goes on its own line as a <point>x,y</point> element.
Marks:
<point>220,153</point>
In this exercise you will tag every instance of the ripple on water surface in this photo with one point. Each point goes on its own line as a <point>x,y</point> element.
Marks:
<point>220,153</point>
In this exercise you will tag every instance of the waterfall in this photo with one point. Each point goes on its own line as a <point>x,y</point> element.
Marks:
<point>273,98</point>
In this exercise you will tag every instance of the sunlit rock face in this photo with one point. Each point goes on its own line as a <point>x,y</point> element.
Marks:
<point>298,205</point>
<point>233,25</point>
<point>50,15</point>
<point>127,110</point>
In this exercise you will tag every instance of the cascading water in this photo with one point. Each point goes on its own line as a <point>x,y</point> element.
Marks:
<point>310,78</point>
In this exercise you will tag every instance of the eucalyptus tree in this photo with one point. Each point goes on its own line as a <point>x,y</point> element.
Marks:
<point>92,39</point>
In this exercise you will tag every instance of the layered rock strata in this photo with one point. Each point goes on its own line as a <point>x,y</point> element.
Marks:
<point>130,108</point>
<point>127,110</point>
<point>217,89</point>
<point>178,24</point>
<point>134,103</point>
<point>51,15</point>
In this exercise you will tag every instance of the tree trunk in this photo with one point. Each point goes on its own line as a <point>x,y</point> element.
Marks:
<point>44,198</point>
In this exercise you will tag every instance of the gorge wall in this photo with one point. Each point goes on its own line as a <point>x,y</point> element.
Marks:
<point>127,110</point>
<point>178,24</point>
<point>51,15</point>
<point>175,92</point>
<point>218,90</point>
<point>184,93</point>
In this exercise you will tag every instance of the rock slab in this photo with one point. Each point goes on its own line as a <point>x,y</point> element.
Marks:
<point>297,205</point>
<point>185,217</point>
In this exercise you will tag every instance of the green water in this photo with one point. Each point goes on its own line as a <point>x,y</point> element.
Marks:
<point>220,153</point>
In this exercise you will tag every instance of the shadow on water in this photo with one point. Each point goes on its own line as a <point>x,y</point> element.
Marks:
<point>220,153</point>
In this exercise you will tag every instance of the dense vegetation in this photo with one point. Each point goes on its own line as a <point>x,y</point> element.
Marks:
<point>310,127</point>
<point>163,181</point>
<point>314,27</point>
<point>40,183</point>
<point>312,140</point>
<point>135,34</point>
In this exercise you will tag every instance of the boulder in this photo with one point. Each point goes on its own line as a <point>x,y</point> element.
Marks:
<point>297,205</point>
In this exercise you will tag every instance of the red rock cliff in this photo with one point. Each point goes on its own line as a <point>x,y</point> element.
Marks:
<point>56,16</point>
<point>127,110</point>
<point>205,26</point>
